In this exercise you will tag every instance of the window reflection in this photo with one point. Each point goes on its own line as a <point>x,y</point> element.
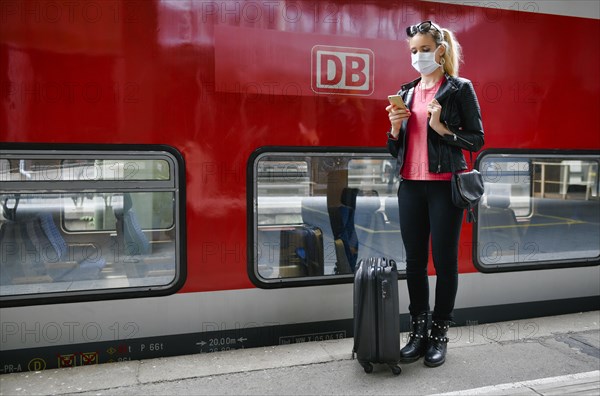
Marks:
<point>538,209</point>
<point>95,212</point>
<point>72,224</point>
<point>56,170</point>
<point>319,214</point>
<point>43,256</point>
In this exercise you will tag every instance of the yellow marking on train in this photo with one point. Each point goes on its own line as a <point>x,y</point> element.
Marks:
<point>567,219</point>
<point>532,225</point>
<point>372,231</point>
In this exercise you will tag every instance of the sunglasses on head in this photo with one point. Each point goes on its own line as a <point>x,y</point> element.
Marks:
<point>422,27</point>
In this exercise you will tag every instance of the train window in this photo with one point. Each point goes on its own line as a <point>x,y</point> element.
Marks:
<point>316,214</point>
<point>95,212</point>
<point>88,223</point>
<point>538,210</point>
<point>52,169</point>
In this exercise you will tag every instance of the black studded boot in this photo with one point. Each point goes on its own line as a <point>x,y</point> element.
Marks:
<point>417,343</point>
<point>438,342</point>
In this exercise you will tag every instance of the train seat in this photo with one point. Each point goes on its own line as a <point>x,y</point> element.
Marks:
<point>498,224</point>
<point>84,268</point>
<point>342,213</point>
<point>357,220</point>
<point>367,212</point>
<point>369,222</point>
<point>392,215</point>
<point>19,260</point>
<point>138,257</point>
<point>40,254</point>
<point>391,237</point>
<point>314,212</point>
<point>131,238</point>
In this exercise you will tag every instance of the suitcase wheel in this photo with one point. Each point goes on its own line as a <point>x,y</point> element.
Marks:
<point>368,367</point>
<point>396,370</point>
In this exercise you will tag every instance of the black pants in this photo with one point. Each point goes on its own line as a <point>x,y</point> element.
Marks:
<point>426,209</point>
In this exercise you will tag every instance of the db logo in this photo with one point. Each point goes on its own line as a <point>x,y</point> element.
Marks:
<point>342,70</point>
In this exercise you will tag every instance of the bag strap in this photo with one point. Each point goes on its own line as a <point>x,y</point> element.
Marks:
<point>470,213</point>
<point>470,159</point>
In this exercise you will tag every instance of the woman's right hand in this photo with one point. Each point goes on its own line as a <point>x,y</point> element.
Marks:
<point>396,116</point>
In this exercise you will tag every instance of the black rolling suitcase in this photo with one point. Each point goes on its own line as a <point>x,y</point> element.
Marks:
<point>376,314</point>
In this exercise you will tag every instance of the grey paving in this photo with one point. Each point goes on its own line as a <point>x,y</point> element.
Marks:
<point>550,355</point>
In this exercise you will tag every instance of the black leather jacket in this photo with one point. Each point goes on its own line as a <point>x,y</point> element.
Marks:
<point>460,114</point>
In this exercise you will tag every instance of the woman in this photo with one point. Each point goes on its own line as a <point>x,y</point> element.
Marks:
<point>427,138</point>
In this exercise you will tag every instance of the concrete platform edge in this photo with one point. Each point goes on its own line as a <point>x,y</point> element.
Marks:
<point>122,374</point>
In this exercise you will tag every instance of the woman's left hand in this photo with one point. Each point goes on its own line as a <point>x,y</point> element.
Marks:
<point>434,109</point>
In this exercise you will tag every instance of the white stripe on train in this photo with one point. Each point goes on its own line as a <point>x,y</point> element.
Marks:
<point>183,313</point>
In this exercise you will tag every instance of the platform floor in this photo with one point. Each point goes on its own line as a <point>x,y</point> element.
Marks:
<point>538,356</point>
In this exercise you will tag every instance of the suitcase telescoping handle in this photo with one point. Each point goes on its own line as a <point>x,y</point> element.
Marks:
<point>385,289</point>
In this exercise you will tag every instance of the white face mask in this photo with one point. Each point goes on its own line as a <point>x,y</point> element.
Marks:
<point>424,62</point>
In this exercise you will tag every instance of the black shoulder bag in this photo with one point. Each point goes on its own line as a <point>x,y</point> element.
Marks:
<point>467,189</point>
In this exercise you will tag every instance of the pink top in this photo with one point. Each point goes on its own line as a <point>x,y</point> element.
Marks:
<point>416,162</point>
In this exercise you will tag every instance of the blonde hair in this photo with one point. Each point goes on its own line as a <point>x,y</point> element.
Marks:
<point>453,54</point>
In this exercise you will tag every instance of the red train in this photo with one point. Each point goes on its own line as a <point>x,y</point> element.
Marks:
<point>174,174</point>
